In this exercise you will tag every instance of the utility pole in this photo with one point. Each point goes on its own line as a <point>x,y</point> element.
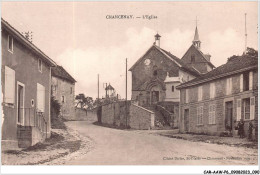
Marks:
<point>245,34</point>
<point>126,92</point>
<point>98,87</point>
<point>106,90</point>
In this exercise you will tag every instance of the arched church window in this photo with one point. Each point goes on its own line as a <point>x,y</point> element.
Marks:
<point>172,88</point>
<point>192,58</point>
<point>155,72</point>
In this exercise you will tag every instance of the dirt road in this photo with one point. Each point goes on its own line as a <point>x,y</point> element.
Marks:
<point>122,147</point>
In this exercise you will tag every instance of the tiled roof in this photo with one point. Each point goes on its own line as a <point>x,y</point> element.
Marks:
<point>60,72</point>
<point>234,65</point>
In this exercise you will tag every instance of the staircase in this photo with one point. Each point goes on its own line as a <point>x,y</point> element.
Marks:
<point>33,129</point>
<point>160,120</point>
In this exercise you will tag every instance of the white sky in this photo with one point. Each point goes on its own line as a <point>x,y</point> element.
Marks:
<point>80,38</point>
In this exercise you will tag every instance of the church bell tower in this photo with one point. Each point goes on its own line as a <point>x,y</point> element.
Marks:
<point>196,41</point>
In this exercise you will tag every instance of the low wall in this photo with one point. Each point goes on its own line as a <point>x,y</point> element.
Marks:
<point>115,114</point>
<point>80,114</point>
<point>141,118</point>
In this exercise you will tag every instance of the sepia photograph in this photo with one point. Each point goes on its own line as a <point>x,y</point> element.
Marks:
<point>130,83</point>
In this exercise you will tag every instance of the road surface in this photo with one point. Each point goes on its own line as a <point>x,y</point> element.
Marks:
<point>129,147</point>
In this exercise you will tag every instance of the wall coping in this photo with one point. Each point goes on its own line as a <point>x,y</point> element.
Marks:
<point>143,108</point>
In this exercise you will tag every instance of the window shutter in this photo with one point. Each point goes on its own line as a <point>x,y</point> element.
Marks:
<point>213,114</point>
<point>9,94</point>
<point>250,80</point>
<point>252,108</point>
<point>187,96</point>
<point>210,112</point>
<point>241,83</point>
<point>238,109</point>
<point>40,98</point>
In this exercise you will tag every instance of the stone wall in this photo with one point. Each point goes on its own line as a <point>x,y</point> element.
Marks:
<point>80,114</point>
<point>114,114</point>
<point>141,118</point>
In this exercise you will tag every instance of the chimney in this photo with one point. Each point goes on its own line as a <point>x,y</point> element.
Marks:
<point>157,39</point>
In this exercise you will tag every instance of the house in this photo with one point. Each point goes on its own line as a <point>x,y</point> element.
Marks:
<point>26,87</point>
<point>214,102</point>
<point>63,90</point>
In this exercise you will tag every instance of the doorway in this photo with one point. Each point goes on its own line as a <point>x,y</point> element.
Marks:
<point>229,116</point>
<point>155,97</point>
<point>186,120</point>
<point>20,103</point>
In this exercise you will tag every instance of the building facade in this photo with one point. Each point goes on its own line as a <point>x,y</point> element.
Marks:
<point>63,90</point>
<point>216,101</point>
<point>152,74</point>
<point>26,87</point>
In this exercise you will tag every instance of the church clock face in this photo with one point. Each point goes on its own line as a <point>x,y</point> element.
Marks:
<point>147,62</point>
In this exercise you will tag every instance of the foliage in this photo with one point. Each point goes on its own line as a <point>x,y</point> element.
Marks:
<point>84,102</point>
<point>251,52</point>
<point>55,105</point>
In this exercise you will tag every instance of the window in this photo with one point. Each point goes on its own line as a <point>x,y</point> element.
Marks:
<point>40,65</point>
<point>238,109</point>
<point>252,108</point>
<point>9,89</point>
<point>199,93</point>
<point>155,72</point>
<point>212,90</point>
<point>199,115</point>
<point>40,98</point>
<point>229,86</point>
<point>212,112</point>
<point>172,88</point>
<point>192,58</point>
<point>187,96</point>
<point>10,44</point>
<point>246,81</point>
<point>70,90</point>
<point>246,105</point>
<point>63,99</point>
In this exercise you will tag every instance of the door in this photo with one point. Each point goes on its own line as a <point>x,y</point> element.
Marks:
<point>229,116</point>
<point>20,103</point>
<point>155,97</point>
<point>186,120</point>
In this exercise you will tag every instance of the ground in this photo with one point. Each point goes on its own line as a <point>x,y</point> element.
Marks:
<point>84,143</point>
<point>133,147</point>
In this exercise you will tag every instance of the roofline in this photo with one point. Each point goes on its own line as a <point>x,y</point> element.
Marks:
<point>8,27</point>
<point>158,48</point>
<point>215,77</point>
<point>74,81</point>
<point>201,54</point>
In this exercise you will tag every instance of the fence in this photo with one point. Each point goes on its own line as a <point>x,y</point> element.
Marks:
<point>31,117</point>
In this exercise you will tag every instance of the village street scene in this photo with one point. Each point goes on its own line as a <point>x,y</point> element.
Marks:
<point>136,83</point>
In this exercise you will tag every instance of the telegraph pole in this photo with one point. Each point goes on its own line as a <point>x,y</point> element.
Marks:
<point>126,93</point>
<point>98,87</point>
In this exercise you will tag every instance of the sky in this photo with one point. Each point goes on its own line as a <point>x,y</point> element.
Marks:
<point>79,37</point>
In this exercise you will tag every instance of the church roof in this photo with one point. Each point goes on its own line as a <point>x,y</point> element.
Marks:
<point>170,56</point>
<point>205,56</point>
<point>196,36</point>
<point>234,65</point>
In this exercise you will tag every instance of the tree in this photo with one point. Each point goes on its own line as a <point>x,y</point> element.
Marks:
<point>84,102</point>
<point>251,52</point>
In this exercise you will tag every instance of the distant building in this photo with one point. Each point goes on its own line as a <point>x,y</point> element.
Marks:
<point>63,90</point>
<point>26,87</point>
<point>214,102</point>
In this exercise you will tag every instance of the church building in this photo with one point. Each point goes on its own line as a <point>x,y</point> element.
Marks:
<point>156,74</point>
